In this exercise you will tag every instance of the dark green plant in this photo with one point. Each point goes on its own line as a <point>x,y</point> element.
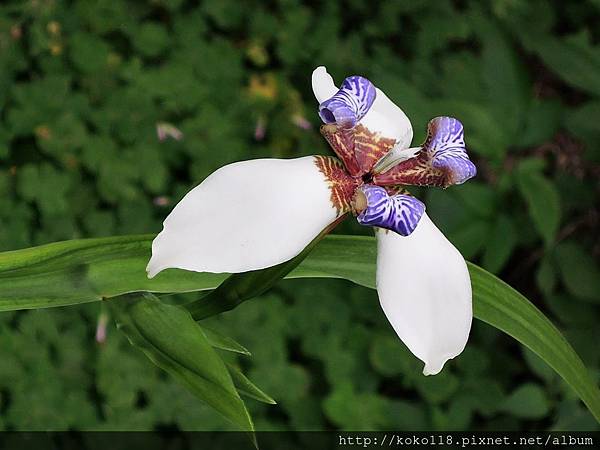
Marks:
<point>83,85</point>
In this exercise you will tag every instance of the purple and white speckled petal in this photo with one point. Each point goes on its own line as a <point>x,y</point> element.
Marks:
<point>446,144</point>
<point>383,118</point>
<point>350,103</point>
<point>400,213</point>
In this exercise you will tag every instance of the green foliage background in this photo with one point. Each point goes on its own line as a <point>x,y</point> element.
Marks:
<point>83,85</point>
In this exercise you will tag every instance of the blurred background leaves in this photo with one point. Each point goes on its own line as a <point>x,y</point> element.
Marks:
<point>82,86</point>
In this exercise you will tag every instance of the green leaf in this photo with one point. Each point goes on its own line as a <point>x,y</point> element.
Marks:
<point>579,272</point>
<point>171,339</point>
<point>574,59</point>
<point>456,417</point>
<point>571,312</point>
<point>577,122</point>
<point>503,75</point>
<point>537,365</point>
<point>150,39</point>
<point>407,415</point>
<point>89,53</point>
<point>46,186</point>
<point>355,411</point>
<point>496,303</point>
<point>485,138</point>
<point>247,387</point>
<point>543,202</point>
<point>545,277</point>
<point>528,401</point>
<point>542,121</point>
<point>86,270</point>
<point>471,237</point>
<point>500,244</point>
<point>80,271</point>
<point>223,342</point>
<point>438,389</point>
<point>389,359</point>
<point>479,198</point>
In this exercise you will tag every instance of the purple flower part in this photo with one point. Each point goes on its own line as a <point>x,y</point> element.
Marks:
<point>400,213</point>
<point>446,143</point>
<point>350,103</point>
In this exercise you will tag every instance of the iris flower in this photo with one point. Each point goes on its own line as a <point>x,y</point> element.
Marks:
<point>255,214</point>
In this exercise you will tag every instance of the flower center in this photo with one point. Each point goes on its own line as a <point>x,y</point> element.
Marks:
<point>346,192</point>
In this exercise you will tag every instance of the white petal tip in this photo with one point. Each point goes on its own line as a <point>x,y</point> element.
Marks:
<point>320,72</point>
<point>151,272</point>
<point>435,367</point>
<point>322,84</point>
<point>428,371</point>
<point>153,268</point>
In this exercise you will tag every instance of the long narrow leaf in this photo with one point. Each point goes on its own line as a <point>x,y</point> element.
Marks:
<point>247,387</point>
<point>87,270</point>
<point>222,342</point>
<point>171,339</point>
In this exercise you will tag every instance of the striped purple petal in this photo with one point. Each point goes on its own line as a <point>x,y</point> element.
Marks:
<point>400,213</point>
<point>350,103</point>
<point>446,144</point>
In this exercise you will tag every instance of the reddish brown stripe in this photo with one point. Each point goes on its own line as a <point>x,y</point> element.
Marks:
<point>341,141</point>
<point>415,172</point>
<point>369,147</point>
<point>341,184</point>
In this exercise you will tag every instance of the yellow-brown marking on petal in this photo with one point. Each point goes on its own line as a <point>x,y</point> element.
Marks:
<point>395,190</point>
<point>416,171</point>
<point>341,185</point>
<point>341,141</point>
<point>370,147</point>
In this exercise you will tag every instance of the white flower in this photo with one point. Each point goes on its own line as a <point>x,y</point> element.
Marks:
<point>255,214</point>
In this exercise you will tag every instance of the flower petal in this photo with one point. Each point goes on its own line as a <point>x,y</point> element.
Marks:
<point>442,160</point>
<point>341,140</point>
<point>399,213</point>
<point>384,117</point>
<point>350,103</point>
<point>322,84</point>
<point>425,291</point>
<point>388,120</point>
<point>246,216</point>
<point>446,144</point>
